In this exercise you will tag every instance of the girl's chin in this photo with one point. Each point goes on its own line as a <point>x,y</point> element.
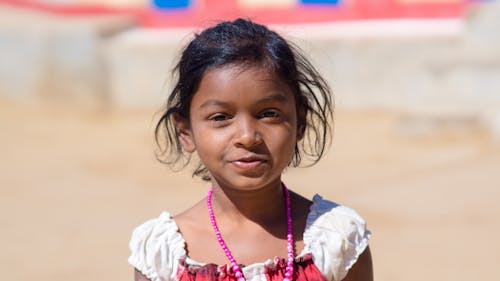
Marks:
<point>246,183</point>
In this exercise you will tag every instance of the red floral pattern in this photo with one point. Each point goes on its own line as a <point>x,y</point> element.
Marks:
<point>304,270</point>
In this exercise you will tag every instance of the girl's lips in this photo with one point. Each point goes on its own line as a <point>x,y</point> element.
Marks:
<point>248,163</point>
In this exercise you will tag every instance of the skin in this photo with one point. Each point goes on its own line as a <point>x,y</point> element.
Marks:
<point>243,125</point>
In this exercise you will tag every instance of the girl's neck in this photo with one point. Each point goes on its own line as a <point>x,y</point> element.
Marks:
<point>265,205</point>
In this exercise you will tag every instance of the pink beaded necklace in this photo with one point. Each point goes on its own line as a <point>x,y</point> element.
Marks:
<point>236,268</point>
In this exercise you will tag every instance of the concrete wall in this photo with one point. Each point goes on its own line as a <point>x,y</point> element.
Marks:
<point>139,65</point>
<point>44,56</point>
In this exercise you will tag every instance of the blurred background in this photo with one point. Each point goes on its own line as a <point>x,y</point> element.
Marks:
<point>416,149</point>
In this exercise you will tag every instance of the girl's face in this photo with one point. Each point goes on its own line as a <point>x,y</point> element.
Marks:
<point>243,125</point>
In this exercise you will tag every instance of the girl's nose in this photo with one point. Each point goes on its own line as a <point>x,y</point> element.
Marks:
<point>248,134</point>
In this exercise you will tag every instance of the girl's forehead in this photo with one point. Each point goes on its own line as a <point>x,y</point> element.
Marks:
<point>238,76</point>
<point>235,81</point>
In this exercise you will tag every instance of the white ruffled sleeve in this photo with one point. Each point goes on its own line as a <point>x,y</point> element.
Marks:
<point>156,247</point>
<point>336,236</point>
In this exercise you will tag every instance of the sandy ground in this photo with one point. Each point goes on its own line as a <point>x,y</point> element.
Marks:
<point>75,182</point>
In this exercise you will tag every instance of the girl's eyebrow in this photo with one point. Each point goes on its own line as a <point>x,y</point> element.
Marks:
<point>214,103</point>
<point>280,97</point>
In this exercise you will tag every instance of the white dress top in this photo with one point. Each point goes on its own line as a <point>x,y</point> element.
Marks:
<point>335,235</point>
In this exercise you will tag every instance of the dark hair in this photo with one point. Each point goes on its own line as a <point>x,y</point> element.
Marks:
<point>245,43</point>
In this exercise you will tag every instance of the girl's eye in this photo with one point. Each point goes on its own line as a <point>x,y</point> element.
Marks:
<point>270,114</point>
<point>219,117</point>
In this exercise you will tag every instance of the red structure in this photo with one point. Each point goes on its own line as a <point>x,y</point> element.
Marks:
<point>204,12</point>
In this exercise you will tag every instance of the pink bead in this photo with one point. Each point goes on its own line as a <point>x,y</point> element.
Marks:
<point>237,271</point>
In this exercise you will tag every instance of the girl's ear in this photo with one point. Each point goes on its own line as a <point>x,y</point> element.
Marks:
<point>301,123</point>
<point>184,133</point>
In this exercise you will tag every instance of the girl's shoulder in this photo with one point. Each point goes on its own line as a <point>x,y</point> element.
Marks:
<point>155,246</point>
<point>326,213</point>
<point>336,236</point>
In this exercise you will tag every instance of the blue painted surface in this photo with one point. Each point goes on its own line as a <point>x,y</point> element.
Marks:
<point>171,4</point>
<point>328,2</point>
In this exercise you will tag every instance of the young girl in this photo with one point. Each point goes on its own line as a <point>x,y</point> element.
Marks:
<point>249,105</point>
